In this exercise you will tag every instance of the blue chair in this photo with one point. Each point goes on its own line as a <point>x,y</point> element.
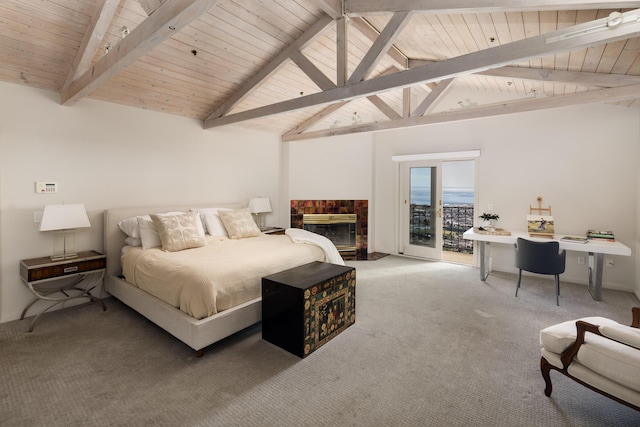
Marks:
<point>541,258</point>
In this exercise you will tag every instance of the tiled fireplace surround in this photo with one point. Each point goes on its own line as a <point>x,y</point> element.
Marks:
<point>358,207</point>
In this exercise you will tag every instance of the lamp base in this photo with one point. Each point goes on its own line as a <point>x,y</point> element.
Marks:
<point>259,220</point>
<point>64,245</point>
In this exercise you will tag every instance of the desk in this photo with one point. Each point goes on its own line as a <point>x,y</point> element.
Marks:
<point>596,250</point>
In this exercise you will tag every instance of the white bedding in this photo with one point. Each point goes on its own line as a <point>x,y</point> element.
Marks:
<point>331,253</point>
<point>224,273</point>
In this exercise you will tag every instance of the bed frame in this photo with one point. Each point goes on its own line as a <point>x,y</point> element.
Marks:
<point>197,334</point>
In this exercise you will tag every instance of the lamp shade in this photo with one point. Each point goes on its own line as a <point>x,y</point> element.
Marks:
<point>64,217</point>
<point>259,205</point>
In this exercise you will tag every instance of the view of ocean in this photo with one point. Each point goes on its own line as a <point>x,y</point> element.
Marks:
<point>451,196</point>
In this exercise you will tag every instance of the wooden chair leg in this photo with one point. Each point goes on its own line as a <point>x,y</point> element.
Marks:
<point>518,284</point>
<point>545,368</point>
<point>557,289</point>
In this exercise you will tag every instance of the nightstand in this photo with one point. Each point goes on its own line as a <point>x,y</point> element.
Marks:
<point>273,230</point>
<point>44,277</point>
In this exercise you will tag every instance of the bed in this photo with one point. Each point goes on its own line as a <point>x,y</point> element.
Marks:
<point>197,333</point>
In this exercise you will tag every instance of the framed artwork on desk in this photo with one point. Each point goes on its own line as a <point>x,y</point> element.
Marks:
<point>540,225</point>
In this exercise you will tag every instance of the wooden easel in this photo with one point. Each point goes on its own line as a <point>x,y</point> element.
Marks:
<point>540,211</point>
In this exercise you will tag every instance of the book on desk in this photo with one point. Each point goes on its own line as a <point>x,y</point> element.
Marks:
<point>605,236</point>
<point>574,239</point>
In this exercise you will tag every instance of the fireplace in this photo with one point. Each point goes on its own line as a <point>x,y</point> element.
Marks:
<point>359,208</point>
<point>339,228</point>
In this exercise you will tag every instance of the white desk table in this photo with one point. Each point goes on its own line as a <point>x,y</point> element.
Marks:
<point>596,250</point>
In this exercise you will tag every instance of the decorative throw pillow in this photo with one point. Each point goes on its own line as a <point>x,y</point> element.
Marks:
<point>148,232</point>
<point>239,223</point>
<point>178,232</point>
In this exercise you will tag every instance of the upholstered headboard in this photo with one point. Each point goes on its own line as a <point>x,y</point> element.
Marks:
<point>114,237</point>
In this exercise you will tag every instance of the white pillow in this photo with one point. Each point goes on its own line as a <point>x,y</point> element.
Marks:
<point>129,227</point>
<point>133,241</point>
<point>212,221</point>
<point>149,234</point>
<point>239,223</point>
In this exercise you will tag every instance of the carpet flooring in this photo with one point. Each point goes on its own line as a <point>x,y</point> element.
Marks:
<point>432,346</point>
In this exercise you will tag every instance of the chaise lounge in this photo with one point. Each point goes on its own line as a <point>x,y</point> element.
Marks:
<point>598,353</point>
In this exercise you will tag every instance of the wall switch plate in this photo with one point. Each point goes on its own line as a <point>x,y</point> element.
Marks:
<point>37,216</point>
<point>46,187</point>
<point>581,260</point>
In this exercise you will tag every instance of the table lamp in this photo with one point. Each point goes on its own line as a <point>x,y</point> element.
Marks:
<point>64,219</point>
<point>258,206</point>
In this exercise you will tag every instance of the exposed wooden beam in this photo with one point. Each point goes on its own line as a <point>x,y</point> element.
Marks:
<point>168,19</point>
<point>432,98</point>
<point>381,46</point>
<point>381,105</point>
<point>150,6</point>
<point>105,10</point>
<point>372,34</point>
<point>368,7</point>
<point>333,8</point>
<point>342,52</point>
<point>313,72</point>
<point>406,102</point>
<point>276,63</point>
<point>596,96</point>
<point>384,107</point>
<point>570,38</point>
<point>581,78</point>
<point>326,112</point>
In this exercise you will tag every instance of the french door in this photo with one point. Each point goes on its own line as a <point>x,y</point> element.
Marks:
<point>421,210</point>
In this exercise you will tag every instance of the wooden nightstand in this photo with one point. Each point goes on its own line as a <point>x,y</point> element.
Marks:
<point>273,230</point>
<point>44,277</point>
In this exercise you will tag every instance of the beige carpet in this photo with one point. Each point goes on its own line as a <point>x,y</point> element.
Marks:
<point>432,345</point>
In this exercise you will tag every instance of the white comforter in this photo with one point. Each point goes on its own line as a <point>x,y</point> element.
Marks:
<point>331,253</point>
<point>224,273</point>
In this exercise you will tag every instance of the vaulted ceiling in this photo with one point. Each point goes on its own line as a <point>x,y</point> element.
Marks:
<point>311,68</point>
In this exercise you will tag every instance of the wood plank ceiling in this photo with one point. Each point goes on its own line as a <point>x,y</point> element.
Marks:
<point>310,68</point>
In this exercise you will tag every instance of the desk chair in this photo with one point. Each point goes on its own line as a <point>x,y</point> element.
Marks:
<point>541,258</point>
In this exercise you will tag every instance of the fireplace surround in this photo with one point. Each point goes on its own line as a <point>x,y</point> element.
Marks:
<point>358,207</point>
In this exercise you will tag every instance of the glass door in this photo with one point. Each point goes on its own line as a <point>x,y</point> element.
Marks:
<point>421,209</point>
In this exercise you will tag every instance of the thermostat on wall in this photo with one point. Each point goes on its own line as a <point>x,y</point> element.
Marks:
<point>45,187</point>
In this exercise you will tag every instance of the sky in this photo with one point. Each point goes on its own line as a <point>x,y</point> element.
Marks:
<point>459,174</point>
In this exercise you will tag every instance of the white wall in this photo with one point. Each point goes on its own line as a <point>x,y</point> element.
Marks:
<point>338,168</point>
<point>105,155</point>
<point>581,160</point>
